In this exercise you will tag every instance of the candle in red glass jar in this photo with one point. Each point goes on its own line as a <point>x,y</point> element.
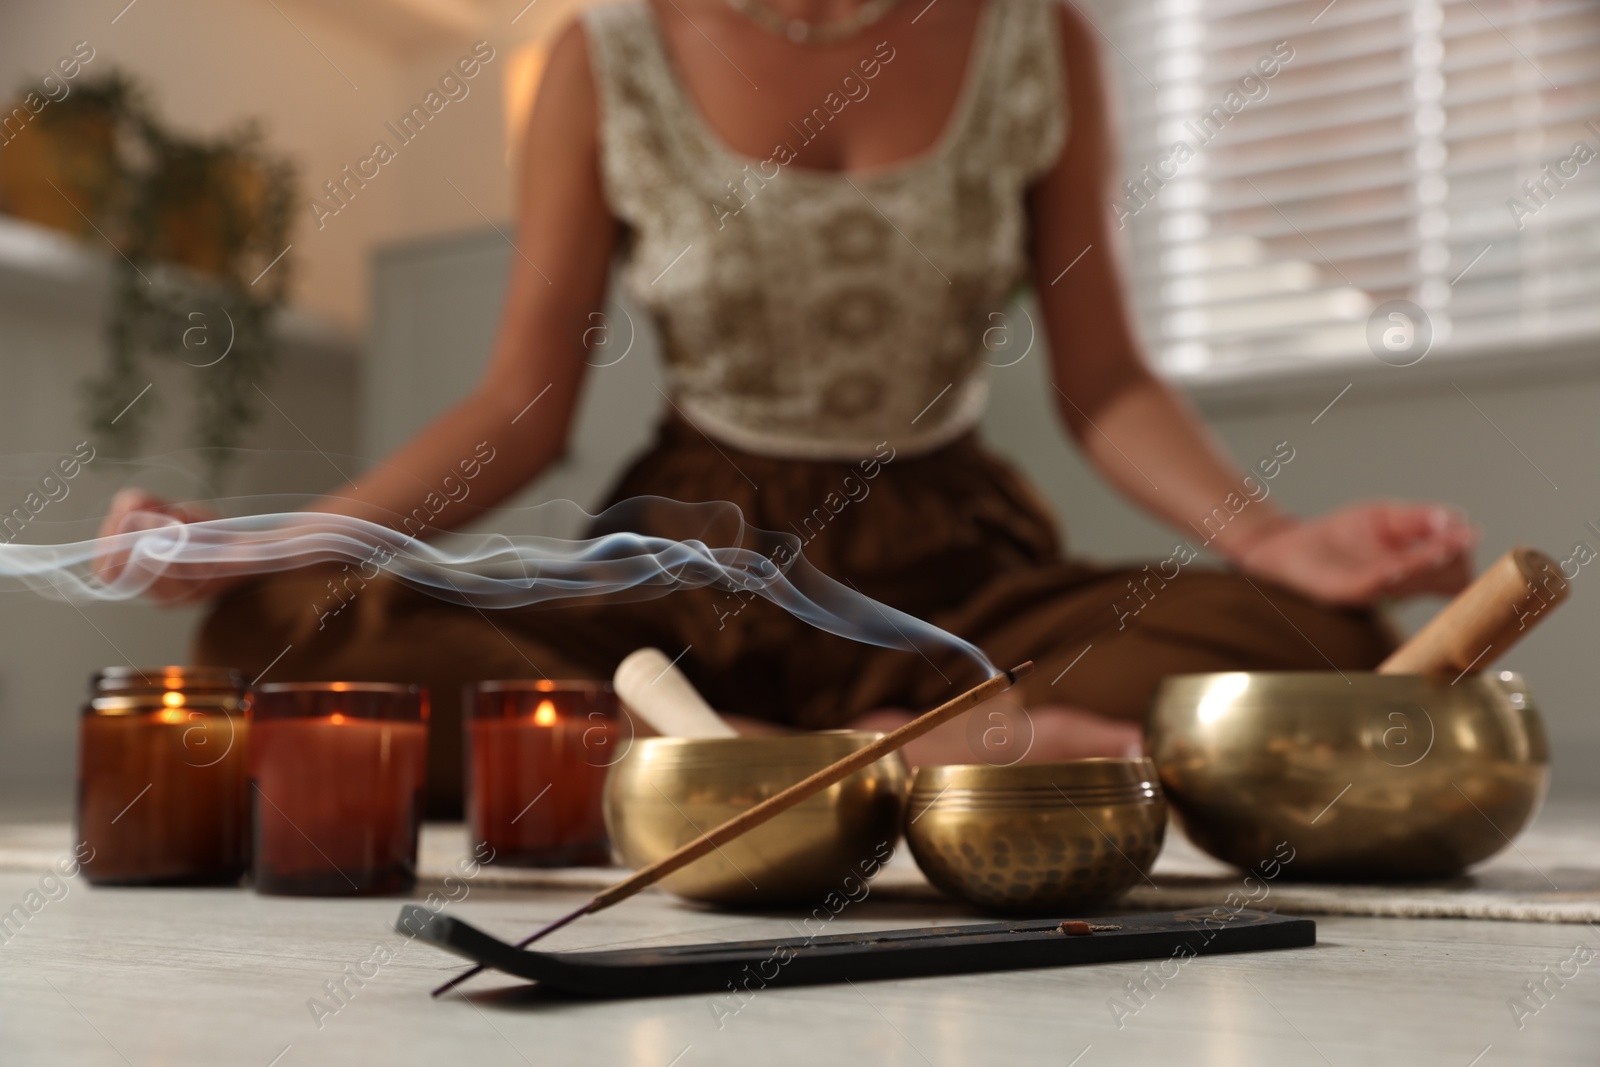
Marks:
<point>337,775</point>
<point>537,755</point>
<point>162,782</point>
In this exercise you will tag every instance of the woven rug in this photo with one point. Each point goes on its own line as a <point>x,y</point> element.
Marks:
<point>1550,874</point>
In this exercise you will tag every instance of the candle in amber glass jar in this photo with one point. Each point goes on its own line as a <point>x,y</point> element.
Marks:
<point>336,777</point>
<point>162,758</point>
<point>537,755</point>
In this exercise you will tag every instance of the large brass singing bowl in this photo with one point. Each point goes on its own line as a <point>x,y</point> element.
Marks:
<point>1364,776</point>
<point>1036,838</point>
<point>668,790</point>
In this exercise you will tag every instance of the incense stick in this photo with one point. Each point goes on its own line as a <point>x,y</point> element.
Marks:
<point>775,805</point>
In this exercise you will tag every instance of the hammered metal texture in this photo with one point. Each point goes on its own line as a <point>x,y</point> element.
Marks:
<point>1036,838</point>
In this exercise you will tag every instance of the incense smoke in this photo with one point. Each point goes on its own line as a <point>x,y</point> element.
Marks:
<point>690,546</point>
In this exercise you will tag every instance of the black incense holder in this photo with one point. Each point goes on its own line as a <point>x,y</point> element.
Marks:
<point>934,950</point>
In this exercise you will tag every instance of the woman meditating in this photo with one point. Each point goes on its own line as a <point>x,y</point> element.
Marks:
<point>822,203</point>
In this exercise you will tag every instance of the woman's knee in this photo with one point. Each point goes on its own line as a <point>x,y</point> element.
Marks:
<point>1253,624</point>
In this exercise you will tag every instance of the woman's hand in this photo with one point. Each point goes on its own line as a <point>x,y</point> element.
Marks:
<point>1363,552</point>
<point>133,510</point>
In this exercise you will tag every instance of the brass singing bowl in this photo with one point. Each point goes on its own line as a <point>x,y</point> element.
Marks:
<point>668,790</point>
<point>1364,776</point>
<point>1036,838</point>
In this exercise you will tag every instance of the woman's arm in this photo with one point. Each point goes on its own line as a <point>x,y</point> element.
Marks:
<point>1144,439</point>
<point>565,236</point>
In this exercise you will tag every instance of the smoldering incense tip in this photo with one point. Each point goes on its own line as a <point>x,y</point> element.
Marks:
<point>1020,671</point>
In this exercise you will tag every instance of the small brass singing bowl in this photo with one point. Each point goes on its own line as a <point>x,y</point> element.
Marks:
<point>1362,776</point>
<point>667,791</point>
<point>1036,838</point>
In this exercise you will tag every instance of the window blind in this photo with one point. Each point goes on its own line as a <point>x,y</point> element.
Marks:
<point>1292,169</point>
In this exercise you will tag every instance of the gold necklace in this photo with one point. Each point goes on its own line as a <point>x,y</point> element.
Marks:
<point>802,32</point>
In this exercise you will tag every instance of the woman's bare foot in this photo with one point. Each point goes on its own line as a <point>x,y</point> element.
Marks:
<point>1002,732</point>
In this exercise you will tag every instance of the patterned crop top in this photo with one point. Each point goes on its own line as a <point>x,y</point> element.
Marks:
<point>814,314</point>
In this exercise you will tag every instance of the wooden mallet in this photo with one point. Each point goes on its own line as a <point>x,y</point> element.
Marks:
<point>775,805</point>
<point>1486,618</point>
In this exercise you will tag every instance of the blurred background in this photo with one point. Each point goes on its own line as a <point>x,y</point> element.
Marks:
<point>1368,228</point>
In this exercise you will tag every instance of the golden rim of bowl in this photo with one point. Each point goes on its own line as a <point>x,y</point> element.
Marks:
<point>1274,686</point>
<point>819,747</point>
<point>1074,777</point>
<point>1131,791</point>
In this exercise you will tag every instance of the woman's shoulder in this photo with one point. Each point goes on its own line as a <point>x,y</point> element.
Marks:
<point>568,75</point>
<point>622,42</point>
<point>565,115</point>
<point>596,48</point>
<point>596,28</point>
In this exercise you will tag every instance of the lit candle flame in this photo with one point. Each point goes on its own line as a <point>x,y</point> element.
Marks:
<point>171,713</point>
<point>544,714</point>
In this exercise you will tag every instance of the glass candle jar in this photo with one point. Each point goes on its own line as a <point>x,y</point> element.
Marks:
<point>537,755</point>
<point>162,777</point>
<point>337,773</point>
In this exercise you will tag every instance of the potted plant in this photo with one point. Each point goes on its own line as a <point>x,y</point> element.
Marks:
<point>197,222</point>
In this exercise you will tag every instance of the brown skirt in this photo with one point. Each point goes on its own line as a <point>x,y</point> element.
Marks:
<point>955,537</point>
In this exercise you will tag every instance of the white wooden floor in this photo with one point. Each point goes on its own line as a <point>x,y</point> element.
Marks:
<point>214,978</point>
